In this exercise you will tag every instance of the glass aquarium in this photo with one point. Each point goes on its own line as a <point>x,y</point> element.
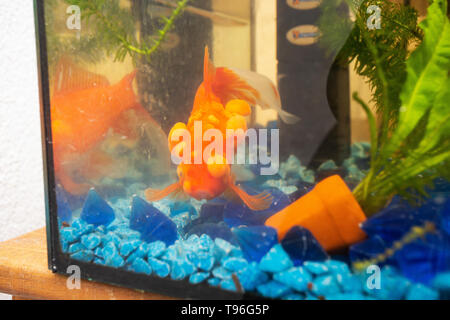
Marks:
<point>233,149</point>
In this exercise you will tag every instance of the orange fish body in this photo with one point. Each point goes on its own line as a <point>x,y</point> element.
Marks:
<point>221,103</point>
<point>83,108</point>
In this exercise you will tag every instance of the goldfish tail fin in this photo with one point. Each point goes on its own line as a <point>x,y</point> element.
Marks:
<point>209,72</point>
<point>71,186</point>
<point>128,79</point>
<point>156,195</point>
<point>256,89</point>
<point>70,77</point>
<point>256,202</point>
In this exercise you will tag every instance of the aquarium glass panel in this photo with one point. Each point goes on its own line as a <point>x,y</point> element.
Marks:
<point>248,148</point>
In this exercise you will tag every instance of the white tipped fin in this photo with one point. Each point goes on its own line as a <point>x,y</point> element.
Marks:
<point>265,94</point>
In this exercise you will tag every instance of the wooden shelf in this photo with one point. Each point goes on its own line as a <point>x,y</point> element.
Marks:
<point>25,275</point>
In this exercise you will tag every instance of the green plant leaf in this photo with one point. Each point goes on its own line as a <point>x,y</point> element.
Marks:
<point>427,69</point>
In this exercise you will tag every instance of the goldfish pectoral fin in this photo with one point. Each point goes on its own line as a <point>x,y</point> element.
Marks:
<point>256,202</point>
<point>180,196</point>
<point>156,195</point>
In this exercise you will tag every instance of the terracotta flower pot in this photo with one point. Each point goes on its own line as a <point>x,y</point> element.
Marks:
<point>329,211</point>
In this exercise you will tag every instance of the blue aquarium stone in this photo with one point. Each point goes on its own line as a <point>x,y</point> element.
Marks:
<point>251,277</point>
<point>367,249</point>
<point>234,264</point>
<point>91,241</point>
<point>290,168</point>
<point>100,229</point>
<point>293,296</point>
<point>228,284</point>
<point>420,292</point>
<point>306,175</point>
<point>255,241</point>
<point>297,278</point>
<point>181,268</point>
<point>198,277</point>
<point>111,237</point>
<point>140,252</point>
<point>302,189</point>
<point>125,233</point>
<point>325,286</point>
<point>222,248</point>
<point>337,267</point>
<point>178,207</point>
<point>75,247</point>
<point>152,223</point>
<point>273,289</point>
<point>62,204</point>
<point>202,260</point>
<point>156,249</point>
<point>349,283</point>
<point>423,259</point>
<point>442,282</point>
<point>327,165</point>
<point>112,256</point>
<point>238,214</point>
<point>139,265</point>
<point>69,235</point>
<point>126,247</point>
<point>213,230</point>
<point>214,282</point>
<point>211,212</point>
<point>170,254</point>
<point>316,268</point>
<point>97,211</point>
<point>83,255</point>
<point>221,273</point>
<point>276,260</point>
<point>302,246</point>
<point>397,219</point>
<point>82,227</point>
<point>161,268</point>
<point>98,252</point>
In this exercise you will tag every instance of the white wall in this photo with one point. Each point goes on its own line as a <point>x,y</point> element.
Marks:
<point>21,178</point>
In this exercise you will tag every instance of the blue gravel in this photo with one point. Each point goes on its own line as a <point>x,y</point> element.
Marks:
<point>141,266</point>
<point>276,260</point>
<point>273,289</point>
<point>297,278</point>
<point>198,277</point>
<point>234,264</point>
<point>161,268</point>
<point>264,268</point>
<point>156,249</point>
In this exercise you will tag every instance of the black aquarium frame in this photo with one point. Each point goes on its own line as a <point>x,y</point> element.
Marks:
<point>58,261</point>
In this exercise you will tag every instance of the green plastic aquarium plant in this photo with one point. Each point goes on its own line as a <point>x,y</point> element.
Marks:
<point>115,32</point>
<point>411,145</point>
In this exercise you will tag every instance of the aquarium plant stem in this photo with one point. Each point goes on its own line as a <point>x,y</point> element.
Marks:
<point>413,234</point>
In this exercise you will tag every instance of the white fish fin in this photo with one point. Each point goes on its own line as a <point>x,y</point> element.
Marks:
<point>267,96</point>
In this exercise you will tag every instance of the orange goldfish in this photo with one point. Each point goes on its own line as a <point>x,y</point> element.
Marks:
<point>222,102</point>
<point>83,107</point>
